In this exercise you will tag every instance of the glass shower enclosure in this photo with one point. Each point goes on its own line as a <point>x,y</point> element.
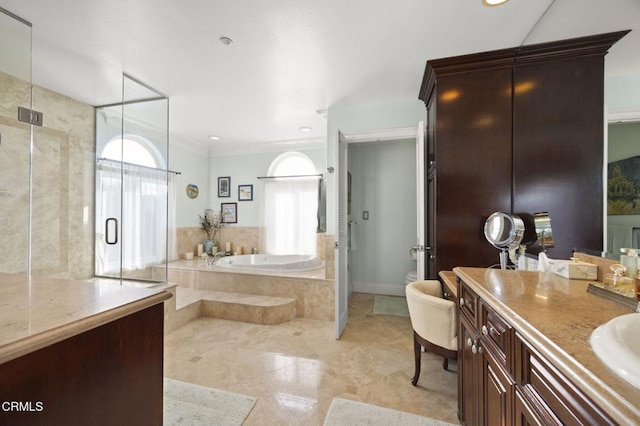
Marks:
<point>134,188</point>
<point>15,144</point>
<point>84,191</point>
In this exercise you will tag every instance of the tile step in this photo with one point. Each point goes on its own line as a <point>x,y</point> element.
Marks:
<point>250,308</point>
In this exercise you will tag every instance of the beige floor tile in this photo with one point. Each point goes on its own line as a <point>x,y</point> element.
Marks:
<point>295,369</point>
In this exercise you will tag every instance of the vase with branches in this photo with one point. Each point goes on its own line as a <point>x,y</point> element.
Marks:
<point>211,222</point>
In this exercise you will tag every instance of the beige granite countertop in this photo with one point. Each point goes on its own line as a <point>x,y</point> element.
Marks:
<point>557,316</point>
<point>37,311</point>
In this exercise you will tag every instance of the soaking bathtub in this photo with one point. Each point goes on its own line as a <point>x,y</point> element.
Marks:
<point>271,262</point>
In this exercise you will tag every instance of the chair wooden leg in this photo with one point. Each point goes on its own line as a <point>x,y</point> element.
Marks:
<point>417,352</point>
<point>445,363</point>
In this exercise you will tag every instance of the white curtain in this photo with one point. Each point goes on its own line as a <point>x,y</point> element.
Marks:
<point>147,216</point>
<point>289,216</point>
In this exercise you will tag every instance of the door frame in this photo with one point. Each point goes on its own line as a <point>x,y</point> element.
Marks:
<point>343,289</point>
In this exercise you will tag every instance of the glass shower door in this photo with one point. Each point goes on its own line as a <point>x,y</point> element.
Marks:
<point>133,185</point>
<point>15,143</point>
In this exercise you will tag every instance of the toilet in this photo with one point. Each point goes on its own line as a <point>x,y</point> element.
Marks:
<point>411,277</point>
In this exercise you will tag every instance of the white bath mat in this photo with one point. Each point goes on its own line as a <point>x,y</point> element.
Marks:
<point>189,404</point>
<point>390,305</point>
<point>353,413</point>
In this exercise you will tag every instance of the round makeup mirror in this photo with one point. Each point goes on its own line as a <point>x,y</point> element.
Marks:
<point>504,231</point>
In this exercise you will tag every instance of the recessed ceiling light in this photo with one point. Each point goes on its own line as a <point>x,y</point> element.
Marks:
<point>493,2</point>
<point>305,129</point>
<point>225,40</point>
<point>214,137</point>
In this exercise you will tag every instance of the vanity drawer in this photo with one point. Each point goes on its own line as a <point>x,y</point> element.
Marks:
<point>495,328</point>
<point>468,302</point>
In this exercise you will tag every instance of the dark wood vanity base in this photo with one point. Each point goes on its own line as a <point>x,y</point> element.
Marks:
<point>109,375</point>
<point>524,355</point>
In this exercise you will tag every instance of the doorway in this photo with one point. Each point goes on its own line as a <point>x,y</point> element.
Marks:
<point>346,236</point>
<point>381,215</point>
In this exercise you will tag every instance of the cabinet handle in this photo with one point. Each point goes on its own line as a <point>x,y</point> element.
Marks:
<point>486,331</point>
<point>462,301</point>
<point>476,348</point>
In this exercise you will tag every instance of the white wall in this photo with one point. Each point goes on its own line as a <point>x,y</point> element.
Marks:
<point>364,118</point>
<point>622,91</point>
<point>383,182</point>
<point>244,170</point>
<point>194,169</point>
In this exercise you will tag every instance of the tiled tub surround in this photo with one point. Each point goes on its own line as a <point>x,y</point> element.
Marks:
<point>248,237</point>
<point>309,293</point>
<point>557,316</point>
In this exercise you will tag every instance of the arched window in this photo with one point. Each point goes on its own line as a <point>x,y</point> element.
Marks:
<point>134,188</point>
<point>135,150</point>
<point>290,206</point>
<point>292,164</point>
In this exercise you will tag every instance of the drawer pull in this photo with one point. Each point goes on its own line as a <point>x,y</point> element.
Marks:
<point>486,331</point>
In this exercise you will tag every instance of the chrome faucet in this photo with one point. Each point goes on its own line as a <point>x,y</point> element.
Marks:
<point>211,260</point>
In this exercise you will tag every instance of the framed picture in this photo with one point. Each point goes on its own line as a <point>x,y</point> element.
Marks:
<point>229,212</point>
<point>224,186</point>
<point>245,192</point>
<point>623,187</point>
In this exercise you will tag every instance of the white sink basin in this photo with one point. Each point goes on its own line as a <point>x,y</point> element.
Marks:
<point>617,344</point>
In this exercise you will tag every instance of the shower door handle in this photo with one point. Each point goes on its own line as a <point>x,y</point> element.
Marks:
<point>114,221</point>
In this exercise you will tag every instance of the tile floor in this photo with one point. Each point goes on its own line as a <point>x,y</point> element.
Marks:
<point>295,369</point>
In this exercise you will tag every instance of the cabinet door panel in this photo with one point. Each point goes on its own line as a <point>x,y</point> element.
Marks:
<point>498,388</point>
<point>473,160</point>
<point>557,153</point>
<point>468,389</point>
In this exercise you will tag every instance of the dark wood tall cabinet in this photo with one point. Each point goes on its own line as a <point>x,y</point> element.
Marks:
<point>518,130</point>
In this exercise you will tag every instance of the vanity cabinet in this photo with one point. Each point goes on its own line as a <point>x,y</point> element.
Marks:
<point>485,378</point>
<point>518,130</point>
<point>546,396</point>
<point>504,380</point>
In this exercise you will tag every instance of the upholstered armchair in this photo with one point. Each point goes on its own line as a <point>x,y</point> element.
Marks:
<point>433,320</point>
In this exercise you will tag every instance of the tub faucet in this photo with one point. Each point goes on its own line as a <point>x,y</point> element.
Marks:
<point>211,260</point>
